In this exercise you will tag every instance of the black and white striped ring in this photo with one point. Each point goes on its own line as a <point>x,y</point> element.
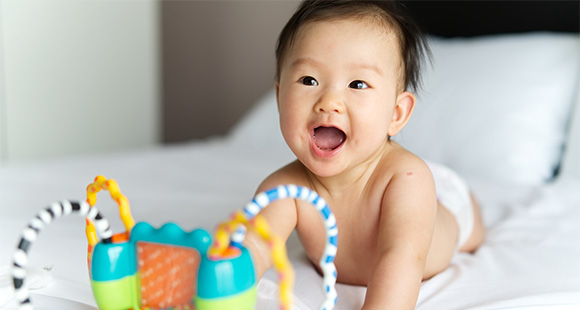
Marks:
<point>36,225</point>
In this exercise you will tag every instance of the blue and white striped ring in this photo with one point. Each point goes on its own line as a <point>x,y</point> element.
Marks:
<point>326,263</point>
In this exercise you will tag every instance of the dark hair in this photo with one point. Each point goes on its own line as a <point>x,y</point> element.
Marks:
<point>412,41</point>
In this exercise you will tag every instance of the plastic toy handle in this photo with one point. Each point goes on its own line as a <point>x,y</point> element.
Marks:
<point>229,236</point>
<point>124,210</point>
<point>36,225</point>
<point>281,262</point>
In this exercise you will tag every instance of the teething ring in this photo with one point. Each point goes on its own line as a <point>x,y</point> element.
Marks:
<point>39,223</point>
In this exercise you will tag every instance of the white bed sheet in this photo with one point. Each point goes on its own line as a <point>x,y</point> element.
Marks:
<point>530,259</point>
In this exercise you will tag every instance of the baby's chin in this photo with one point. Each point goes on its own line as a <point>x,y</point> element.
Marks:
<point>323,169</point>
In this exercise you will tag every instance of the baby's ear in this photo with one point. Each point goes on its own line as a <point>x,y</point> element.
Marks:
<point>402,113</point>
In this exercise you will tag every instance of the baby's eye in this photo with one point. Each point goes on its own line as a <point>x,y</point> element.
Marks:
<point>358,84</point>
<point>309,81</point>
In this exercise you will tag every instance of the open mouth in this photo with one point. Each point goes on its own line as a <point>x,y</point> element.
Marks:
<point>328,138</point>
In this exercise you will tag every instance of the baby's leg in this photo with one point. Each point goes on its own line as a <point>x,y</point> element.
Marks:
<point>478,233</point>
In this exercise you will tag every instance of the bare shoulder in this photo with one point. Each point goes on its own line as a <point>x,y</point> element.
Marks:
<point>292,173</point>
<point>403,164</point>
<point>283,214</point>
<point>410,182</point>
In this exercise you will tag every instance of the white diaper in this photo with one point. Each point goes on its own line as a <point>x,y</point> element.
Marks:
<point>453,192</point>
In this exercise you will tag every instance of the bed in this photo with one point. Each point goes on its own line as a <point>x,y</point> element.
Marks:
<point>503,110</point>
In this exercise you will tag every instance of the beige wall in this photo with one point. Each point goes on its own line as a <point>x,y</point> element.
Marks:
<point>77,77</point>
<point>218,58</point>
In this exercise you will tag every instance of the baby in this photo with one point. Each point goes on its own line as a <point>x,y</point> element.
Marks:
<point>344,71</point>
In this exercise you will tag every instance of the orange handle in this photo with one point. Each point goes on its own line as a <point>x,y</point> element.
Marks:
<point>124,211</point>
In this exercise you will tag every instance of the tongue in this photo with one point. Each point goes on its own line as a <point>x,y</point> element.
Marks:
<point>328,138</point>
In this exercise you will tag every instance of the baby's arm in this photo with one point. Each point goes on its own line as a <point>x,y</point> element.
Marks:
<point>282,219</point>
<point>406,226</point>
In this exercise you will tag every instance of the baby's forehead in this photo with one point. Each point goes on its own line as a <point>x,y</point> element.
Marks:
<point>380,25</point>
<point>386,27</point>
<point>382,30</point>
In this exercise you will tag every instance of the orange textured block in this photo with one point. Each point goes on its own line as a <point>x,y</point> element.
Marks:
<point>168,275</point>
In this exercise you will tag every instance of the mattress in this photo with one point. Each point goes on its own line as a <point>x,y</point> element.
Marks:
<point>531,257</point>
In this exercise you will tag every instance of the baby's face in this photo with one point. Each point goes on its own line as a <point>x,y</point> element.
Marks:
<point>337,93</point>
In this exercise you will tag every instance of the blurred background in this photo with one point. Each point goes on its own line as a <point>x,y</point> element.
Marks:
<point>94,76</point>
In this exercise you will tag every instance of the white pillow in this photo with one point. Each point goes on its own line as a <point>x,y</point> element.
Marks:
<point>492,107</point>
<point>261,125</point>
<point>497,107</point>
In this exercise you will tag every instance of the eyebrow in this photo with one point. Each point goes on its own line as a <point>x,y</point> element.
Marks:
<point>302,61</point>
<point>365,66</point>
<point>370,67</point>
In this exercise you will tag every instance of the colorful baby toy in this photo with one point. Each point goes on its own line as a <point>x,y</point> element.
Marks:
<point>168,268</point>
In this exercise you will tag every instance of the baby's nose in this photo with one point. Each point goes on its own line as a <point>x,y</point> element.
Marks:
<point>330,103</point>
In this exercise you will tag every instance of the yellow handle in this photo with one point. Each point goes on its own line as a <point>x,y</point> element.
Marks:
<point>124,211</point>
<point>258,224</point>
